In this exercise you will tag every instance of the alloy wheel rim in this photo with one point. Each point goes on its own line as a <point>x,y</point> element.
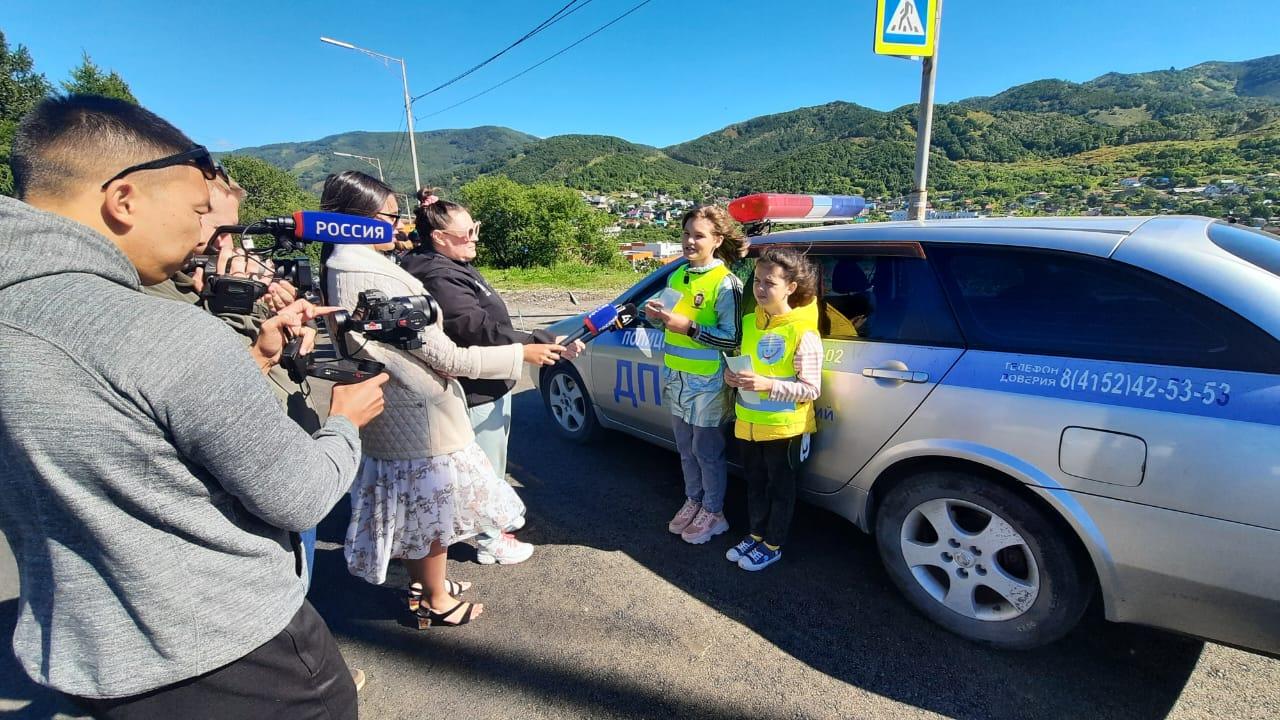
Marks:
<point>970,560</point>
<point>567,404</point>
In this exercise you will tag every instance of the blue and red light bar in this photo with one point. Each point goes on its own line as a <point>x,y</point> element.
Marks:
<point>777,207</point>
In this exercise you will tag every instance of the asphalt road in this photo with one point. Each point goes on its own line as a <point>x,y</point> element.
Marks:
<point>615,618</point>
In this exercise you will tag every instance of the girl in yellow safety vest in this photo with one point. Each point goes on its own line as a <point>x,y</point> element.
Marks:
<point>775,399</point>
<point>701,318</point>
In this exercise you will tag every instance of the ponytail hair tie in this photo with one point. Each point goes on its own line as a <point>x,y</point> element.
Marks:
<point>426,196</point>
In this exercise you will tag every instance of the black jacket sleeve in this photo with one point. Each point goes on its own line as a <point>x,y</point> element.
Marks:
<point>465,319</point>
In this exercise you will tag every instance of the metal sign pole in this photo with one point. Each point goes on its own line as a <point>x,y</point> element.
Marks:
<point>924,129</point>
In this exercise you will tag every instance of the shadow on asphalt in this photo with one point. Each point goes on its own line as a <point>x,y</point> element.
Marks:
<point>829,604</point>
<point>362,610</point>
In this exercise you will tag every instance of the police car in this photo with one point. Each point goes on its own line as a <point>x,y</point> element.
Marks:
<point>1025,413</point>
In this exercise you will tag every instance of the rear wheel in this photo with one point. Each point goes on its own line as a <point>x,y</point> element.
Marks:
<point>568,403</point>
<point>981,560</point>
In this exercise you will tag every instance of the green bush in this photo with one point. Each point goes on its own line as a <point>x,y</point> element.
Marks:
<point>536,225</point>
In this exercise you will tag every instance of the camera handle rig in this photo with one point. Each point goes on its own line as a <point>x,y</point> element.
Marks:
<point>398,322</point>
<point>224,293</point>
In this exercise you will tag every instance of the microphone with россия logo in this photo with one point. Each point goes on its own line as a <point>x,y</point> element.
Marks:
<point>603,319</point>
<point>226,293</point>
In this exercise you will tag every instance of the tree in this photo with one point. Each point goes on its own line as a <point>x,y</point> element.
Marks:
<point>272,192</point>
<point>89,79</point>
<point>532,225</point>
<point>20,89</point>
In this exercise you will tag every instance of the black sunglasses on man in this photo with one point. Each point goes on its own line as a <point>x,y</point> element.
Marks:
<point>197,157</point>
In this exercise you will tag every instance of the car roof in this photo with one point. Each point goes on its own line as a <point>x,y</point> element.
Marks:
<point>1091,235</point>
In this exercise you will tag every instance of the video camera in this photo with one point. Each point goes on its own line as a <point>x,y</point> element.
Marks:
<point>397,321</point>
<point>224,293</point>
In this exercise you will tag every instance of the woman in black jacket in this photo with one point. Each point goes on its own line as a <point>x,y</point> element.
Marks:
<point>474,314</point>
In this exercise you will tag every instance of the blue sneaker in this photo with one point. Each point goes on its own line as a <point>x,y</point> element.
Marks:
<point>739,551</point>
<point>759,558</point>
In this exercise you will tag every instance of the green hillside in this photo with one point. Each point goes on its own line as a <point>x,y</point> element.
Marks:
<point>757,142</point>
<point>445,156</point>
<point>1046,118</point>
<point>599,162</point>
<point>1212,119</point>
<point>845,167</point>
<point>1223,83</point>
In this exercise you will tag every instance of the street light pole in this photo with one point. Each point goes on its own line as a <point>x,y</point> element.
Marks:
<point>408,114</point>
<point>408,108</point>
<point>371,160</point>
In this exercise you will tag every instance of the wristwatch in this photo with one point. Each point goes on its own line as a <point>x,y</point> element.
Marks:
<point>693,328</point>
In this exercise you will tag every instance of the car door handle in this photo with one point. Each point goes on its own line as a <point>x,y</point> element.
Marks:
<point>911,376</point>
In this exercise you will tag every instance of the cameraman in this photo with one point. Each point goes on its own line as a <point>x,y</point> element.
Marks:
<point>225,196</point>
<point>148,491</point>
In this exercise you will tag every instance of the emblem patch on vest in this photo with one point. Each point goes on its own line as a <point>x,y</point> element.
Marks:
<point>698,299</point>
<point>770,348</point>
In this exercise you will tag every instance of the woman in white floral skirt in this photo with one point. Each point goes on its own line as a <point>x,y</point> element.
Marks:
<point>424,482</point>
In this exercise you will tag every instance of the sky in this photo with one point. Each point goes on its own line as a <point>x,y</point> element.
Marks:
<point>235,74</point>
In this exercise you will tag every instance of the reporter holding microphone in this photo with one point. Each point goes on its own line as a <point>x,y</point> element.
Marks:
<point>474,315</point>
<point>424,482</point>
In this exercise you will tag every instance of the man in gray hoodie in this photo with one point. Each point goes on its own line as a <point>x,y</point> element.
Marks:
<point>150,478</point>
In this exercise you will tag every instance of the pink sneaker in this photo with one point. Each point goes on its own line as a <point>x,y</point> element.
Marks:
<point>704,527</point>
<point>687,513</point>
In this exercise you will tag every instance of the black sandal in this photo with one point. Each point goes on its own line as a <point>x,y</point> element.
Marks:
<point>428,617</point>
<point>453,588</point>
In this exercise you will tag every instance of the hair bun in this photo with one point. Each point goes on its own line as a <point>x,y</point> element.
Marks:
<point>427,196</point>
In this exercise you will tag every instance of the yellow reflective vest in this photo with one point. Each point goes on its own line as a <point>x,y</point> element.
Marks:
<point>771,343</point>
<point>698,303</point>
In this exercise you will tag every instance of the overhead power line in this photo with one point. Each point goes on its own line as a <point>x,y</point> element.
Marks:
<point>400,148</point>
<point>544,61</point>
<point>555,18</point>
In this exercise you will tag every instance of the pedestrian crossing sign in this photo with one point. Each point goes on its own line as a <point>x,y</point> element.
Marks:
<point>906,27</point>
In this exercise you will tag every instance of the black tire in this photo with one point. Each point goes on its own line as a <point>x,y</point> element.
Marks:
<point>573,417</point>
<point>1045,559</point>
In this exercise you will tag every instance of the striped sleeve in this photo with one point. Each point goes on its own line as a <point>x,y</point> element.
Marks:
<point>726,334</point>
<point>808,363</point>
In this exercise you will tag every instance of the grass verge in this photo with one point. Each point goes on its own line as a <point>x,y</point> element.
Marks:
<point>561,277</point>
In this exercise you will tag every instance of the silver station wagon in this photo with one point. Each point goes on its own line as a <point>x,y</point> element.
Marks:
<point>1029,413</point>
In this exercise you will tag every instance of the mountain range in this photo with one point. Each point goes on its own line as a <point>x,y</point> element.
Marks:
<point>1104,125</point>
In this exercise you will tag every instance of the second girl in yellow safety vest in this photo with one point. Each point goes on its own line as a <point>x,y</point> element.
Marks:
<point>700,325</point>
<point>775,399</point>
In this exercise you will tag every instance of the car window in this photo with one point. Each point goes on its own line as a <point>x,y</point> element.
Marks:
<point>885,299</point>
<point>1252,246</point>
<point>1056,303</point>
<point>647,288</point>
